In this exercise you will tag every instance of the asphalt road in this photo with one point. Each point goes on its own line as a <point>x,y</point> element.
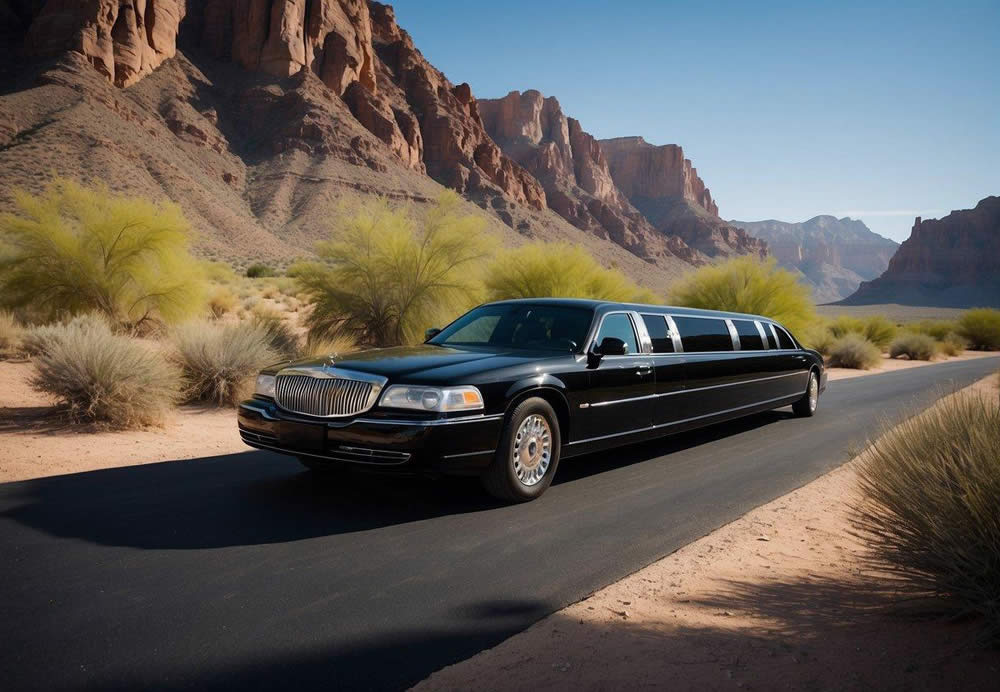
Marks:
<point>241,571</point>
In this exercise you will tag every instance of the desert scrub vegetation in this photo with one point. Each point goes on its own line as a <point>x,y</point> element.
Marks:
<point>928,505</point>
<point>329,347</point>
<point>280,336</point>
<point>914,346</point>
<point>259,270</point>
<point>74,249</point>
<point>981,327</point>
<point>559,270</point>
<point>11,334</point>
<point>221,302</point>
<point>38,338</point>
<point>104,378</point>
<point>854,351</point>
<point>936,329</point>
<point>953,344</point>
<point>875,329</point>
<point>747,284</point>
<point>386,276</point>
<point>220,361</point>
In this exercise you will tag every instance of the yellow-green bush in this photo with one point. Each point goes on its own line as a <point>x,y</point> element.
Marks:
<point>387,276</point>
<point>844,325</point>
<point>74,249</point>
<point>818,337</point>
<point>875,329</point>
<point>104,378</point>
<point>953,344</point>
<point>222,302</point>
<point>981,327</point>
<point>913,346</point>
<point>558,270</point>
<point>329,347</point>
<point>928,505</point>
<point>854,351</point>
<point>937,329</point>
<point>220,362</point>
<point>747,284</point>
<point>280,337</point>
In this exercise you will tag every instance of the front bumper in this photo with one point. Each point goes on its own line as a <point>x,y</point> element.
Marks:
<point>461,445</point>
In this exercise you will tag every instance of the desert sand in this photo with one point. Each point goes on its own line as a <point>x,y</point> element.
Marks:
<point>778,599</point>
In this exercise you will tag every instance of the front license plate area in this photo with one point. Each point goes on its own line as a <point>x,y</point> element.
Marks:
<point>305,437</point>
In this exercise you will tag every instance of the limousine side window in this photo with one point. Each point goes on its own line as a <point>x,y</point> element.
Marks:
<point>619,325</point>
<point>772,340</point>
<point>656,325</point>
<point>784,340</point>
<point>701,334</point>
<point>749,336</point>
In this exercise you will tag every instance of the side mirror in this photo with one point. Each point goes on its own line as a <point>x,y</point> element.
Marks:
<point>613,346</point>
<point>431,333</point>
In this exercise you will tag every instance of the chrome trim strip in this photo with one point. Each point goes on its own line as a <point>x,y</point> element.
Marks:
<point>734,384</point>
<point>675,334</point>
<point>468,454</point>
<point>777,344</point>
<point>787,398</point>
<point>763,336</point>
<point>431,422</point>
<point>307,389</point>
<point>622,401</point>
<point>646,343</point>
<point>733,334</point>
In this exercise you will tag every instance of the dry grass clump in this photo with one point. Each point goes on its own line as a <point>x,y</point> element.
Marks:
<point>854,351</point>
<point>280,337</point>
<point>316,347</point>
<point>11,334</point>
<point>818,337</point>
<point>36,340</point>
<point>222,302</point>
<point>953,344</point>
<point>928,506</point>
<point>111,380</point>
<point>981,327</point>
<point>219,362</point>
<point>913,346</point>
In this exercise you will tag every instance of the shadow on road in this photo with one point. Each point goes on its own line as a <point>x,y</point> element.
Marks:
<point>258,498</point>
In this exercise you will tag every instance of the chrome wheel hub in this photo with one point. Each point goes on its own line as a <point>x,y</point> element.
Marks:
<point>532,450</point>
<point>813,392</point>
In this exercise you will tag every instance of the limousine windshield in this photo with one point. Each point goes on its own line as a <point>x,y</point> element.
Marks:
<point>519,326</point>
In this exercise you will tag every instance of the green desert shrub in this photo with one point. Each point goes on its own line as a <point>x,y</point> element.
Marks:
<point>329,347</point>
<point>844,325</point>
<point>558,270</point>
<point>854,351</point>
<point>953,344</point>
<point>101,377</point>
<point>74,249</point>
<point>913,346</point>
<point>219,362</point>
<point>11,333</point>
<point>928,505</point>
<point>259,271</point>
<point>747,284</point>
<point>981,327</point>
<point>386,275</point>
<point>936,329</point>
<point>876,329</point>
<point>818,337</point>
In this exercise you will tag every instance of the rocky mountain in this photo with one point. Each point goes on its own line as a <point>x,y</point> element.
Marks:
<point>262,116</point>
<point>833,255</point>
<point>573,170</point>
<point>666,189</point>
<point>949,262</point>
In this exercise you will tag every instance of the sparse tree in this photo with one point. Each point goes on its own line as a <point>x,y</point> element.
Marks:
<point>74,249</point>
<point>385,276</point>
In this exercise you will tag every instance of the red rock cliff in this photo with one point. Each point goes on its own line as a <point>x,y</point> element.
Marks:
<point>950,261</point>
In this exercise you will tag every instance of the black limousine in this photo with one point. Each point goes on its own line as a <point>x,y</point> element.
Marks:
<point>510,388</point>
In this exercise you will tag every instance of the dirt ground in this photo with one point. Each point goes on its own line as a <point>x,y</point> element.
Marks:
<point>774,600</point>
<point>36,442</point>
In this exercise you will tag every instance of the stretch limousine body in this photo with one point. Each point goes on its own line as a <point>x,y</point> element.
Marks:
<point>510,388</point>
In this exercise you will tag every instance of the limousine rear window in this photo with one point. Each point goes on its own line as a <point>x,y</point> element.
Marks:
<point>771,339</point>
<point>703,334</point>
<point>519,326</point>
<point>656,325</point>
<point>749,336</point>
<point>784,340</point>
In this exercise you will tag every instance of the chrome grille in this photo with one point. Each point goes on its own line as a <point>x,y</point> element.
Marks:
<point>324,396</point>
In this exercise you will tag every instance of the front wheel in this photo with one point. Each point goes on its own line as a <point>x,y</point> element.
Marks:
<point>806,406</point>
<point>528,454</point>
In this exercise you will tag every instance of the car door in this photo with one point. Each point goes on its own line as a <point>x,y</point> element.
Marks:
<point>668,367</point>
<point>789,363</point>
<point>714,370</point>
<point>622,387</point>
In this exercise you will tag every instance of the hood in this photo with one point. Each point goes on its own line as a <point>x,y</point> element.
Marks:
<point>427,363</point>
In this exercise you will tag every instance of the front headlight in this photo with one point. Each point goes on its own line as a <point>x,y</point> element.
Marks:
<point>441,399</point>
<point>265,385</point>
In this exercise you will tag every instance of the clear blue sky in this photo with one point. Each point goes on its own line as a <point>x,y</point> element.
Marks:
<point>880,111</point>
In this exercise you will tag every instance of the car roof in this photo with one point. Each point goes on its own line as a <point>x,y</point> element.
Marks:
<point>606,306</point>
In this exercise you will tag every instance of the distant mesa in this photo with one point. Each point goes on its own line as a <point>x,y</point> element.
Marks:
<point>949,262</point>
<point>832,255</point>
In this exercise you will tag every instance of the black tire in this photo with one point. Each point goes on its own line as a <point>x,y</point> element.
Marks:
<point>806,406</point>
<point>322,468</point>
<point>501,479</point>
